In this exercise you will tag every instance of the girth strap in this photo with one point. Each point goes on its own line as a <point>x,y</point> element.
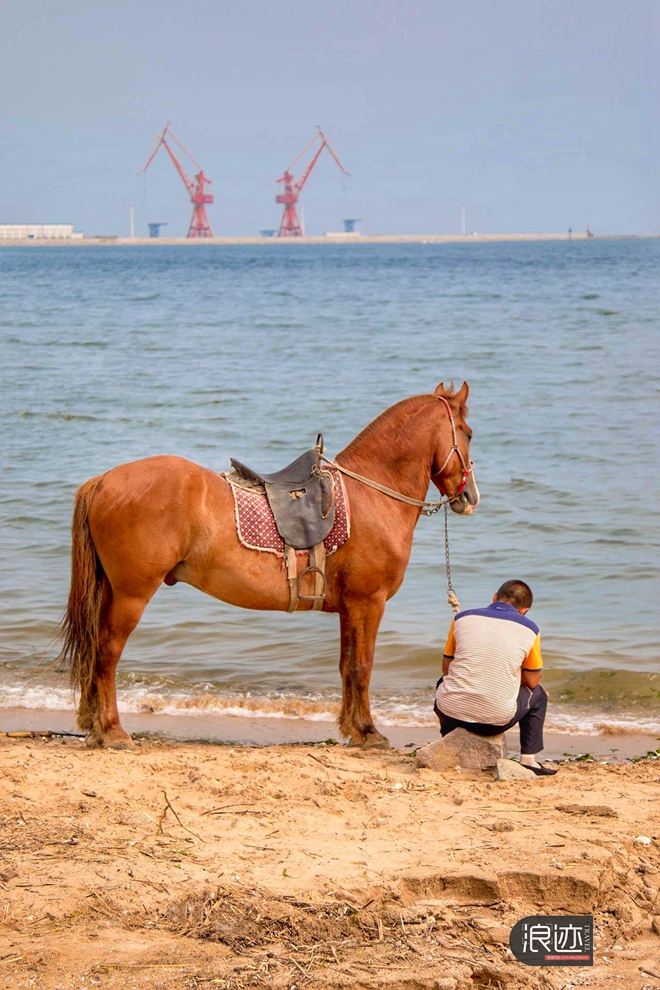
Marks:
<point>292,577</point>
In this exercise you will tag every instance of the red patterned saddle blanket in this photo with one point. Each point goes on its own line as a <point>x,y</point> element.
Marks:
<point>255,523</point>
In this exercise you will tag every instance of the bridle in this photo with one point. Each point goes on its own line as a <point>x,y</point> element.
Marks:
<point>428,508</point>
<point>467,471</point>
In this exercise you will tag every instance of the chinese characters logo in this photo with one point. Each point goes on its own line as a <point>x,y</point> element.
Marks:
<point>549,940</point>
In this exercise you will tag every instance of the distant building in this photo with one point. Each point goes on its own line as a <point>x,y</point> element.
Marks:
<point>40,231</point>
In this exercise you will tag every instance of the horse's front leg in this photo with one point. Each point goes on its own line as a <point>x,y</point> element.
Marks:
<point>359,628</point>
<point>344,719</point>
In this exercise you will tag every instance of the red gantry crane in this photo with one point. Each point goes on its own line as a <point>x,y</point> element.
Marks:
<point>290,223</point>
<point>199,222</point>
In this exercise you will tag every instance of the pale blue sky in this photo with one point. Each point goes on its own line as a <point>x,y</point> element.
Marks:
<point>536,113</point>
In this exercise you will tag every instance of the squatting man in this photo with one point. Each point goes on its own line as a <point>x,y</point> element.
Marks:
<point>491,673</point>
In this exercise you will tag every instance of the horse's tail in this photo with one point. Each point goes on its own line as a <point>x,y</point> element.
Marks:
<point>80,627</point>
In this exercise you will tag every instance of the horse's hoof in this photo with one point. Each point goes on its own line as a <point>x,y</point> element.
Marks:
<point>375,740</point>
<point>378,742</point>
<point>116,739</point>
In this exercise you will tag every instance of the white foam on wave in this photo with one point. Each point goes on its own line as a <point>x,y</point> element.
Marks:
<point>140,699</point>
<point>599,724</point>
<point>35,696</point>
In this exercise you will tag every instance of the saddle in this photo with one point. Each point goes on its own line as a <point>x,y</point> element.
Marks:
<point>301,498</point>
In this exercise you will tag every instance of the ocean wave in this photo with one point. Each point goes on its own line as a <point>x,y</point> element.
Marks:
<point>599,724</point>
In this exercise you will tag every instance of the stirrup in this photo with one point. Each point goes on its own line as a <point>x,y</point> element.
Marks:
<point>316,567</point>
<point>313,598</point>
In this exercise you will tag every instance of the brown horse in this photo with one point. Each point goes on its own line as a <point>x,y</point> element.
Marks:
<point>166,519</point>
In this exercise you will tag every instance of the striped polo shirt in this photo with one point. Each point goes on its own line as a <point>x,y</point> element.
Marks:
<point>489,646</point>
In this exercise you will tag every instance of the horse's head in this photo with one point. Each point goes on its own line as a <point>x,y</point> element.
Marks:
<point>453,471</point>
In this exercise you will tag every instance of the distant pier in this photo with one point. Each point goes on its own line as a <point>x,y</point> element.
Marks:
<point>330,238</point>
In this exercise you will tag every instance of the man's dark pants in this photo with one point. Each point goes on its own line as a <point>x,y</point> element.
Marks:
<point>530,715</point>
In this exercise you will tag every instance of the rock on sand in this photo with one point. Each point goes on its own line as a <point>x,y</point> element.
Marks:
<point>465,750</point>
<point>510,770</point>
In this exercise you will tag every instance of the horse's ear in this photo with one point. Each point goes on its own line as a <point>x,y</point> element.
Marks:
<point>461,396</point>
<point>457,399</point>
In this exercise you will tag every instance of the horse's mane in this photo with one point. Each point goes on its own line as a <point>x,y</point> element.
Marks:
<point>397,414</point>
<point>376,426</point>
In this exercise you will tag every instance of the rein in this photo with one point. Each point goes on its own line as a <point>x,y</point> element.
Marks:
<point>428,508</point>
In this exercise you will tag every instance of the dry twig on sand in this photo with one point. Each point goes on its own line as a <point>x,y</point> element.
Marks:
<point>168,804</point>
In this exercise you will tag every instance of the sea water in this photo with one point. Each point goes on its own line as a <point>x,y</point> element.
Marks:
<point>109,354</point>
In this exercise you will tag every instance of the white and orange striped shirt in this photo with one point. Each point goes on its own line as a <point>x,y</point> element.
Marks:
<point>488,647</point>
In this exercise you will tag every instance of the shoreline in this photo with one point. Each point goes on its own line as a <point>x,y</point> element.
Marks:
<point>266,732</point>
<point>330,238</point>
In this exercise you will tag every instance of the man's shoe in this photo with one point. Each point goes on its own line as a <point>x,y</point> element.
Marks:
<point>542,771</point>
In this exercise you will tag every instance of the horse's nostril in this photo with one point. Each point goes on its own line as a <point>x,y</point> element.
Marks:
<point>460,505</point>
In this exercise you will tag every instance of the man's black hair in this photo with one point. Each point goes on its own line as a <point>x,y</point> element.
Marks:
<point>516,593</point>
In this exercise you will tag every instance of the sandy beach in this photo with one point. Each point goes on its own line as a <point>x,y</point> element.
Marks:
<point>182,865</point>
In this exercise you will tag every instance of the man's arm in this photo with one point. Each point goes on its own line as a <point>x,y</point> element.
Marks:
<point>532,668</point>
<point>530,678</point>
<point>448,652</point>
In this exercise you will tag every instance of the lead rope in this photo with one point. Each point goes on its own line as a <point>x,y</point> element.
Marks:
<point>451,594</point>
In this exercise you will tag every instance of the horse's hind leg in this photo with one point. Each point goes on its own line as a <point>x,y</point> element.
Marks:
<point>359,628</point>
<point>120,616</point>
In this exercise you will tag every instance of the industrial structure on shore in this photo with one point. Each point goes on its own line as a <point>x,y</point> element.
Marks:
<point>199,222</point>
<point>290,224</point>
<point>39,232</point>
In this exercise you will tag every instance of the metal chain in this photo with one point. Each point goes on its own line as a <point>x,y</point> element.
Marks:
<point>451,594</point>
<point>436,506</point>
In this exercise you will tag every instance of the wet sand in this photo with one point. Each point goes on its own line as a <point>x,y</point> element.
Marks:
<point>234,730</point>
